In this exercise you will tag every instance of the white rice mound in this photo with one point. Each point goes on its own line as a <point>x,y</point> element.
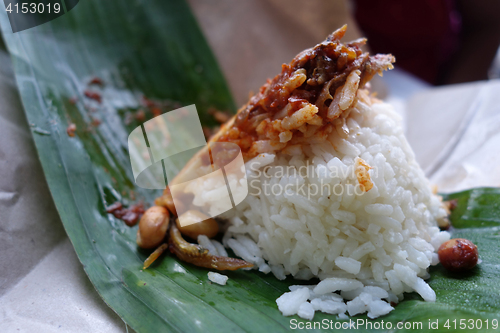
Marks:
<point>367,248</point>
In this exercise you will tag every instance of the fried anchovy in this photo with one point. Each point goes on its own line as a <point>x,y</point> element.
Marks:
<point>199,256</point>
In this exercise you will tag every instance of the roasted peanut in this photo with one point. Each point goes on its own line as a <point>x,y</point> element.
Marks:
<point>458,254</point>
<point>153,227</point>
<point>207,226</point>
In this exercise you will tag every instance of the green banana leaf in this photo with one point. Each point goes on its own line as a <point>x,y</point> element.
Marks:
<point>154,51</point>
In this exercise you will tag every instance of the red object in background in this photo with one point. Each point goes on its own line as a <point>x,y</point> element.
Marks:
<point>422,35</point>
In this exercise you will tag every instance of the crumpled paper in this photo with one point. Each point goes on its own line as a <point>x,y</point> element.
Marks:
<point>43,287</point>
<point>463,122</point>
